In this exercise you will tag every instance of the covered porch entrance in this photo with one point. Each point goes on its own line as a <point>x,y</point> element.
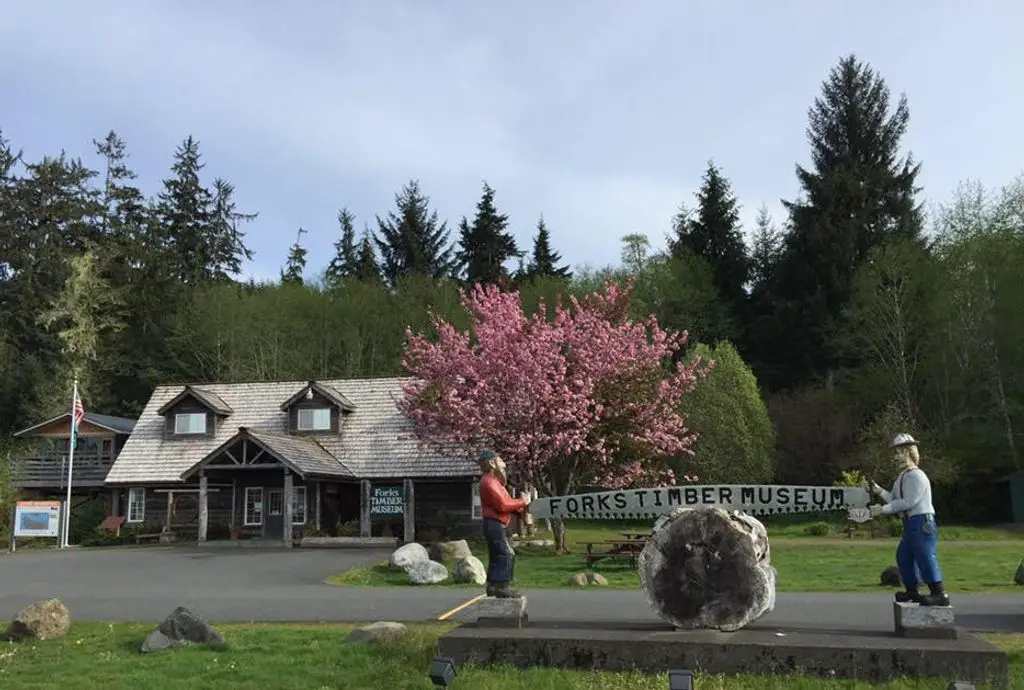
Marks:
<point>275,494</point>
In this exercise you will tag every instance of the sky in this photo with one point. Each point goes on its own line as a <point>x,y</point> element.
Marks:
<point>600,115</point>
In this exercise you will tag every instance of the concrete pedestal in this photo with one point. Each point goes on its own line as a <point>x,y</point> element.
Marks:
<point>924,622</point>
<point>495,612</point>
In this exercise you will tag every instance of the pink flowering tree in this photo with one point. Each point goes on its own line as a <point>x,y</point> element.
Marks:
<point>586,397</point>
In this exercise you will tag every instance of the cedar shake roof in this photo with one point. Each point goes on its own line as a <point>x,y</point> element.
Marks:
<point>300,453</point>
<point>208,398</point>
<point>375,441</point>
<point>329,392</point>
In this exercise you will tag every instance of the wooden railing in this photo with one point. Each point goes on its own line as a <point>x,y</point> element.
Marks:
<point>49,470</point>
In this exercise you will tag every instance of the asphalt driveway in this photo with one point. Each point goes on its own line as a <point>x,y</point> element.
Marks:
<point>146,584</point>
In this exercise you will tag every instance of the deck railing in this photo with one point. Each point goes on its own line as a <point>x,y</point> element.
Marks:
<point>50,470</point>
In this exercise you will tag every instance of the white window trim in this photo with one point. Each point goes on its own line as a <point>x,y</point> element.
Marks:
<point>305,505</point>
<point>476,506</point>
<point>312,417</point>
<point>178,416</point>
<point>135,491</point>
<point>245,506</point>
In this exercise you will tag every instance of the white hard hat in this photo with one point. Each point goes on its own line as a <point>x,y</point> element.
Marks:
<point>903,440</point>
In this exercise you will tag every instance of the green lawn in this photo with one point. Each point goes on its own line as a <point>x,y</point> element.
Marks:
<point>974,560</point>
<point>286,657</point>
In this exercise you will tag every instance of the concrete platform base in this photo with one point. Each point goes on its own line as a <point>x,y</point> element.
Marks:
<point>914,620</point>
<point>656,648</point>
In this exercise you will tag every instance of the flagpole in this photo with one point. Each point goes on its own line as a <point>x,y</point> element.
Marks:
<point>71,463</point>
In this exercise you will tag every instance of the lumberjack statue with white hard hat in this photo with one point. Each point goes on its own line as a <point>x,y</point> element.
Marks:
<point>497,508</point>
<point>911,499</point>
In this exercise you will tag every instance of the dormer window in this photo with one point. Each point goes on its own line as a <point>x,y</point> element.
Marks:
<point>314,419</point>
<point>316,408</point>
<point>190,423</point>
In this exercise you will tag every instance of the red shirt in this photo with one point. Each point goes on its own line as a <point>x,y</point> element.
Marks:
<point>495,503</point>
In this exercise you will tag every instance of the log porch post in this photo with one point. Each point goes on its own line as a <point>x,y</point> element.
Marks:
<point>289,496</point>
<point>204,515</point>
<point>316,514</point>
<point>364,508</point>
<point>409,517</point>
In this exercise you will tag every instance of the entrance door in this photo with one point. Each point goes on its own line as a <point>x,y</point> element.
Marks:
<point>275,514</point>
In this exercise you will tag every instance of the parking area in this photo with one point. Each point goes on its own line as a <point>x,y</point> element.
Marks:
<point>145,584</point>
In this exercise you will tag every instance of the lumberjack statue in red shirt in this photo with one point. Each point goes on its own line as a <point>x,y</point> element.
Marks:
<point>497,508</point>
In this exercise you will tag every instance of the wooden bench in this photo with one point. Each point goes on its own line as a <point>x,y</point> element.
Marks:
<point>617,549</point>
<point>139,538</point>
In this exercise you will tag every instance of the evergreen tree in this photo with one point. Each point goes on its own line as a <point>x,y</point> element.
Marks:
<point>858,194</point>
<point>200,226</point>
<point>366,269</point>
<point>486,245</point>
<point>412,241</point>
<point>296,264</point>
<point>714,234</point>
<point>227,242</point>
<point>764,253</point>
<point>544,260</point>
<point>343,264</point>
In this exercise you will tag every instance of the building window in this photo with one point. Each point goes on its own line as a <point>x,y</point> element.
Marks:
<point>478,511</point>
<point>318,419</point>
<point>253,506</point>
<point>299,505</point>
<point>136,504</point>
<point>275,502</point>
<point>190,423</point>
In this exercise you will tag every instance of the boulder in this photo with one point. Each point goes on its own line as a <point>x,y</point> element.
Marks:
<point>407,556</point>
<point>427,573</point>
<point>1018,577</point>
<point>583,579</point>
<point>180,629</point>
<point>449,551</point>
<point>469,569</point>
<point>890,577</point>
<point>42,620</point>
<point>708,568</point>
<point>381,631</point>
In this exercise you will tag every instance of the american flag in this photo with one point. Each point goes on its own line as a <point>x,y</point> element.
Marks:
<point>77,411</point>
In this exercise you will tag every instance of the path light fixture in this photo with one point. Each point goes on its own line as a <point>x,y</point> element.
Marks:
<point>442,670</point>
<point>680,679</point>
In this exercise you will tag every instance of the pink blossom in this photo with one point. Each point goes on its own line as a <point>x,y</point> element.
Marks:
<point>588,397</point>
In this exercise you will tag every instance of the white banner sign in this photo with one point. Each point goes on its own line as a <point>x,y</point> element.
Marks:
<point>756,499</point>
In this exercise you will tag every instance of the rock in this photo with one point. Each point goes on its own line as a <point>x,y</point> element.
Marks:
<point>469,569</point>
<point>427,573</point>
<point>913,620</point>
<point>534,542</point>
<point>502,613</point>
<point>579,580</point>
<point>708,568</point>
<point>42,620</point>
<point>381,631</point>
<point>891,577</point>
<point>447,551</point>
<point>1018,577</point>
<point>180,629</point>
<point>597,579</point>
<point>405,557</point>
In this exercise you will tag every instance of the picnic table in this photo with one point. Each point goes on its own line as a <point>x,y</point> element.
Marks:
<point>628,549</point>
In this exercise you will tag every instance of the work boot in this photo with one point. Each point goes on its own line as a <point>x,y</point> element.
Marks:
<point>936,596</point>
<point>490,588</point>
<point>911,596</point>
<point>503,590</point>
